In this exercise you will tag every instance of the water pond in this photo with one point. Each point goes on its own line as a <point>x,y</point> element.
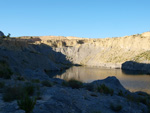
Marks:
<point>131,80</point>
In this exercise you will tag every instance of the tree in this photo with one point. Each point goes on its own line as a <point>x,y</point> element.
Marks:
<point>8,35</point>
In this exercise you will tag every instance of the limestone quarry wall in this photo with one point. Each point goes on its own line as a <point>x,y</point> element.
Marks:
<point>107,52</point>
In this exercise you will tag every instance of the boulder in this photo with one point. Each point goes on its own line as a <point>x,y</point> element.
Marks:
<point>1,34</point>
<point>110,82</point>
<point>135,66</point>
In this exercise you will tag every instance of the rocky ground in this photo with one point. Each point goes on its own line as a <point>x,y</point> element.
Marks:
<point>61,97</point>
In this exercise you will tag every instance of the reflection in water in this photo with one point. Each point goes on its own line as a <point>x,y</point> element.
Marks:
<point>131,81</point>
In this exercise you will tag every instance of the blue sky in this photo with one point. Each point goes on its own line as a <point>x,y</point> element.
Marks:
<point>81,18</point>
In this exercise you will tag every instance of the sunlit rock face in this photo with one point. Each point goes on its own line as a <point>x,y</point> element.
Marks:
<point>1,34</point>
<point>107,52</point>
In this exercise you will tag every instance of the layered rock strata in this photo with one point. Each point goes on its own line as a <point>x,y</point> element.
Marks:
<point>107,52</point>
<point>56,52</point>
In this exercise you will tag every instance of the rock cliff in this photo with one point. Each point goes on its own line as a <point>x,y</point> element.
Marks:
<point>56,52</point>
<point>29,59</point>
<point>107,52</point>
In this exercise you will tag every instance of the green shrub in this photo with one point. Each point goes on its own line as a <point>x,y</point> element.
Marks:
<point>38,93</point>
<point>5,71</point>
<point>142,56</point>
<point>75,84</point>
<point>46,83</point>
<point>2,84</point>
<point>89,87</point>
<point>145,100</point>
<point>130,98</point>
<point>116,108</point>
<point>11,93</point>
<point>94,95</point>
<point>104,89</point>
<point>21,78</point>
<point>29,89</point>
<point>35,81</point>
<point>120,93</point>
<point>26,103</point>
<point>142,98</point>
<point>65,83</point>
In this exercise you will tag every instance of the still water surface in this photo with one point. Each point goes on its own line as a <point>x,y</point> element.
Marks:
<point>129,79</point>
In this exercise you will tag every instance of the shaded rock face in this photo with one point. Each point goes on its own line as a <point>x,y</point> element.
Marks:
<point>32,60</point>
<point>1,34</point>
<point>135,66</point>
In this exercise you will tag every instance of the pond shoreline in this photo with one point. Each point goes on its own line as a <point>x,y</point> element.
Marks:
<point>134,80</point>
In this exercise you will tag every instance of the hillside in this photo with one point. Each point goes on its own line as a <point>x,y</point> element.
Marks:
<point>107,52</point>
<point>29,59</point>
<point>47,53</point>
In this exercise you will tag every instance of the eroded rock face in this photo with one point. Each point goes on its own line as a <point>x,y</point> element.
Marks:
<point>52,52</point>
<point>1,34</point>
<point>31,60</point>
<point>107,52</point>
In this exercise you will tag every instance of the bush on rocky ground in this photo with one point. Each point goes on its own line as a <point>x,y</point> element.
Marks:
<point>120,93</point>
<point>46,83</point>
<point>26,103</point>
<point>75,84</point>
<point>89,87</point>
<point>11,93</point>
<point>116,108</point>
<point>21,78</point>
<point>5,71</point>
<point>35,81</point>
<point>104,89</point>
<point>2,84</point>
